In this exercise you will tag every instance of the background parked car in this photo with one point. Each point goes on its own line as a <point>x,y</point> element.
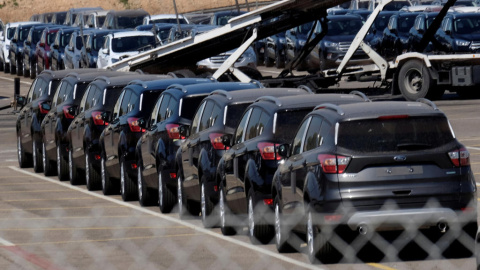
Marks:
<point>30,44</point>
<point>43,51</point>
<point>459,33</point>
<point>62,38</point>
<point>165,18</point>
<point>124,19</point>
<point>16,48</point>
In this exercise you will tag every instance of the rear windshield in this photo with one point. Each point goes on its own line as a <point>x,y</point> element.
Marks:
<point>111,97</point>
<point>189,106</point>
<point>393,135</point>
<point>287,124</point>
<point>234,114</point>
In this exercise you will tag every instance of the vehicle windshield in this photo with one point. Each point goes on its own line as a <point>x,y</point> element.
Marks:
<point>10,32</point>
<point>381,22</point>
<point>96,42</point>
<point>135,43</point>
<point>344,27</point>
<point>234,114</point>
<point>394,134</point>
<point>129,22</point>
<point>101,20</point>
<point>37,34</point>
<point>467,25</point>
<point>305,28</point>
<point>405,24</point>
<point>287,124</point>
<point>396,5</point>
<point>170,20</point>
<point>51,37</point>
<point>23,34</point>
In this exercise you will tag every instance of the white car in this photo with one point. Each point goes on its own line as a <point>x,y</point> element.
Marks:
<point>96,19</point>
<point>164,18</point>
<point>120,45</point>
<point>5,40</point>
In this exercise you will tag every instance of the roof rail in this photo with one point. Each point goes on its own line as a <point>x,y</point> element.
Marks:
<point>139,71</point>
<point>360,94</point>
<point>330,106</point>
<point>223,93</point>
<point>49,72</point>
<point>429,103</point>
<point>271,99</point>
<point>139,82</point>
<point>178,86</point>
<point>258,83</point>
<point>103,78</point>
<point>172,74</point>
<point>304,87</point>
<point>74,74</point>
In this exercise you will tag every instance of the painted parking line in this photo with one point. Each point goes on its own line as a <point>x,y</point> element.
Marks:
<point>174,220</point>
<point>6,243</point>
<point>11,80</point>
<point>474,148</point>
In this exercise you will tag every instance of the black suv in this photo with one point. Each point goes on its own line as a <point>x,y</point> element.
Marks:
<point>421,24</point>
<point>245,172</point>
<point>459,33</point>
<point>395,36</point>
<point>55,124</point>
<point>356,169</point>
<point>157,148</point>
<point>126,125</point>
<point>16,48</point>
<point>62,38</point>
<point>198,156</point>
<point>295,39</point>
<point>29,60</point>
<point>84,132</point>
<point>124,19</point>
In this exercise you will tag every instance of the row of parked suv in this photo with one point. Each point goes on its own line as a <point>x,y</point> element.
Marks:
<point>288,164</point>
<point>393,32</point>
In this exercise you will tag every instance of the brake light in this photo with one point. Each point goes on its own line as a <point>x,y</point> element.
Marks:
<point>134,124</point>
<point>97,119</point>
<point>66,113</point>
<point>174,132</point>
<point>216,140</point>
<point>42,110</point>
<point>460,157</point>
<point>388,117</point>
<point>333,163</point>
<point>268,151</point>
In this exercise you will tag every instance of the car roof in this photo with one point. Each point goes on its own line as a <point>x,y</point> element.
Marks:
<point>128,12</point>
<point>132,34</point>
<point>202,89</point>
<point>90,76</point>
<point>15,24</point>
<point>307,101</point>
<point>344,17</point>
<point>63,73</point>
<point>240,96</point>
<point>163,84</point>
<point>381,109</point>
<point>125,79</point>
<point>165,16</point>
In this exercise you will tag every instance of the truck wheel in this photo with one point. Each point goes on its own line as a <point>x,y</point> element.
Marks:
<point>184,73</point>
<point>414,81</point>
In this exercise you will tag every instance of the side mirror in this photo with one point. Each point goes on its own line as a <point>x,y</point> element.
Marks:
<point>88,49</point>
<point>293,32</point>
<point>184,131</point>
<point>55,46</point>
<point>69,48</point>
<point>72,110</point>
<point>393,30</point>
<point>283,150</point>
<point>21,100</point>
<point>42,45</point>
<point>14,40</point>
<point>106,116</point>
<point>448,32</point>
<point>45,106</point>
<point>28,42</point>
<point>105,51</point>
<point>227,140</point>
<point>2,38</point>
<point>142,123</point>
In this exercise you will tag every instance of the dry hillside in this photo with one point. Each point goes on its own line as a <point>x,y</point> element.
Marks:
<point>21,10</point>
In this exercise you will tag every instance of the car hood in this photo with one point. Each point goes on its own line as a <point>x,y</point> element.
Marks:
<point>346,38</point>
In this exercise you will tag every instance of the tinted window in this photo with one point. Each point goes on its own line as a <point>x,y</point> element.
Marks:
<point>118,103</point>
<point>394,135</point>
<point>94,97</point>
<point>64,93</point>
<point>84,99</point>
<point>238,138</point>
<point>41,87</point>
<point>125,102</point>
<point>251,131</point>
<point>287,124</point>
<point>129,22</point>
<point>53,87</point>
<point>127,44</point>
<point>234,112</point>
<point>297,142</point>
<point>313,138</point>
<point>111,97</point>
<point>163,112</point>
<point>196,119</point>
<point>189,105</point>
<point>148,100</point>
<point>204,122</point>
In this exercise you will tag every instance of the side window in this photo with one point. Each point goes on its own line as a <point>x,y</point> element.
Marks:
<point>83,102</point>
<point>448,25</point>
<point>162,112</point>
<point>125,103</point>
<point>297,141</point>
<point>251,131</point>
<point>153,116</point>
<point>216,114</point>
<point>207,112</point>
<point>262,123</point>
<point>40,87</point>
<point>238,138</point>
<point>42,39</point>
<point>196,119</point>
<point>133,102</point>
<point>93,97</point>
<point>325,137</point>
<point>63,93</point>
<point>32,89</point>
<point>313,138</point>
<point>71,43</point>
<point>78,42</point>
<point>116,109</point>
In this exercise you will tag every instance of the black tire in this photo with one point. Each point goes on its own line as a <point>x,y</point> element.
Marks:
<point>93,179</point>
<point>145,195</point>
<point>209,217</point>
<point>318,247</point>
<point>268,61</point>
<point>282,230</point>
<point>185,207</point>
<point>24,70</point>
<point>226,220</point>
<point>62,164</point>
<point>33,70</point>
<point>36,156</point>
<point>279,61</point>
<point>19,69</point>
<point>74,173</point>
<point>24,159</point>
<point>166,198</point>
<point>109,185</point>
<point>128,189</point>
<point>6,67</point>
<point>12,68</point>
<point>415,81</point>
<point>184,73</point>
<point>259,230</point>
<point>1,66</point>
<point>48,168</point>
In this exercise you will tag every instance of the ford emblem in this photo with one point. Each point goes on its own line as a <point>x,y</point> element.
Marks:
<point>399,158</point>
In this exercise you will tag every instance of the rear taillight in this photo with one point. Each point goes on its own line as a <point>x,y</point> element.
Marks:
<point>134,124</point>
<point>268,151</point>
<point>66,113</point>
<point>174,132</point>
<point>216,140</point>
<point>42,110</point>
<point>333,163</point>
<point>97,119</point>
<point>460,157</point>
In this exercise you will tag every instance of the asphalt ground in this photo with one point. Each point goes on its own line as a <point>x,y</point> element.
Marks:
<point>48,224</point>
